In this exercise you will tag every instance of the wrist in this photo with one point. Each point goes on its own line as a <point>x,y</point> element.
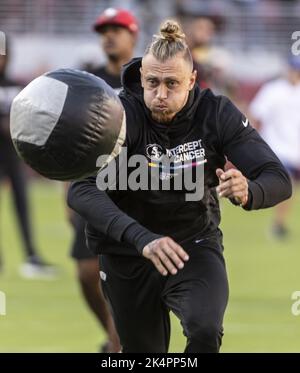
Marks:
<point>139,236</point>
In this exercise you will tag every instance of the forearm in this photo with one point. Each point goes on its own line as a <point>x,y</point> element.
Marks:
<point>271,187</point>
<point>269,183</point>
<point>101,212</point>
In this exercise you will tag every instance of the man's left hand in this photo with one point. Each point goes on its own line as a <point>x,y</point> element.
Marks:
<point>233,185</point>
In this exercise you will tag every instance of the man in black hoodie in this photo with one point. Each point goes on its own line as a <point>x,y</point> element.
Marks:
<point>161,250</point>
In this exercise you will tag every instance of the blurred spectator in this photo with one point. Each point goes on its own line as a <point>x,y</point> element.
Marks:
<point>11,168</point>
<point>275,110</point>
<point>214,63</point>
<point>118,36</point>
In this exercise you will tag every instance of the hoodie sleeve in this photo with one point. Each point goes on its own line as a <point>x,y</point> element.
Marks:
<point>269,182</point>
<point>101,212</point>
<point>97,208</point>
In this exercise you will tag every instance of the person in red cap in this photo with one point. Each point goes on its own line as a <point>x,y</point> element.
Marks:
<point>118,29</point>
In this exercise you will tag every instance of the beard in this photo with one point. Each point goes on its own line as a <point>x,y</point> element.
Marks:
<point>162,116</point>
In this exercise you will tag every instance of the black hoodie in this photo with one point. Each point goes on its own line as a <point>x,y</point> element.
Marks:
<point>209,128</point>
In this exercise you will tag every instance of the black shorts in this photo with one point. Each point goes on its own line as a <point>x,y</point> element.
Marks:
<point>141,298</point>
<point>79,249</point>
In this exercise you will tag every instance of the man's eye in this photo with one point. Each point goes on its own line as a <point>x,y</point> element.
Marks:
<point>172,84</point>
<point>151,82</point>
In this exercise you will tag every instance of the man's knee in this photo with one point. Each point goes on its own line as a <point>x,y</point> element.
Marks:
<point>203,334</point>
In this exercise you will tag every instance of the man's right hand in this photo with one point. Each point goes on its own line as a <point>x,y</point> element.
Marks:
<point>166,255</point>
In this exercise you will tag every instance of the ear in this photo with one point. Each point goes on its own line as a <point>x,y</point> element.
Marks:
<point>193,79</point>
<point>141,72</point>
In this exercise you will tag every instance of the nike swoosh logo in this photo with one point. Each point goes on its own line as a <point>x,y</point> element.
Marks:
<point>103,275</point>
<point>245,124</point>
<point>198,241</point>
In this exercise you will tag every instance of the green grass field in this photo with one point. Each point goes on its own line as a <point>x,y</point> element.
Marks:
<point>50,316</point>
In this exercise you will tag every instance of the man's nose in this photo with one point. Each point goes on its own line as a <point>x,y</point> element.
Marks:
<point>162,92</point>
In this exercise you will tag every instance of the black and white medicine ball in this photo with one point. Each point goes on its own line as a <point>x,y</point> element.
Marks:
<point>64,120</point>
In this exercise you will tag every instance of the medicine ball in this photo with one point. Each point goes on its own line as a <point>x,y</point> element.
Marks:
<point>64,120</point>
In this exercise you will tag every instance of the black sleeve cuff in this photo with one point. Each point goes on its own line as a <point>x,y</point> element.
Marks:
<point>139,236</point>
<point>255,198</point>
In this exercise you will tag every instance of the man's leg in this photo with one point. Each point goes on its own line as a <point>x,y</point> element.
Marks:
<point>18,181</point>
<point>34,266</point>
<point>88,276</point>
<point>198,295</point>
<point>282,211</point>
<point>281,214</point>
<point>89,280</point>
<point>133,288</point>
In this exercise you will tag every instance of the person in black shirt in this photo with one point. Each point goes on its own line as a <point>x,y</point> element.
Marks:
<point>159,250</point>
<point>11,168</point>
<point>118,30</point>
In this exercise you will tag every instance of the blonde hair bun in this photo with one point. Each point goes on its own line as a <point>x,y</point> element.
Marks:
<point>169,43</point>
<point>171,31</point>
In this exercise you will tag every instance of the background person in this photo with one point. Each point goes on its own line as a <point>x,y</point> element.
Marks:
<point>12,169</point>
<point>275,110</point>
